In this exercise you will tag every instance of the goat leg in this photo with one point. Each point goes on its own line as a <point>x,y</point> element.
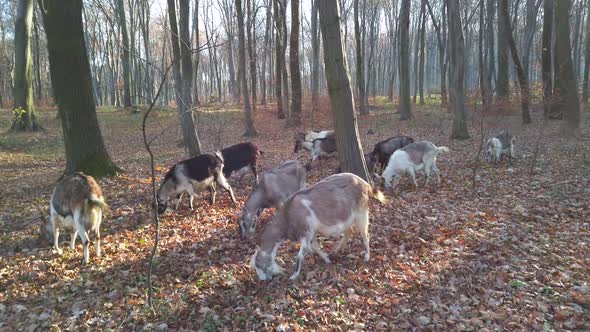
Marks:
<point>318,250</point>
<point>300,257</point>
<point>73,239</point>
<point>212,193</point>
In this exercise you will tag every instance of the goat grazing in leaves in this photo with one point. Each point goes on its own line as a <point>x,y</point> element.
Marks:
<point>332,206</point>
<point>76,202</point>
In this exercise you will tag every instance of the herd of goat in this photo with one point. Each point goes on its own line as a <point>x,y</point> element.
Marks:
<point>333,206</point>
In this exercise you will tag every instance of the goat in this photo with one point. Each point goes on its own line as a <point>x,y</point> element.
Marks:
<point>499,146</point>
<point>412,158</point>
<point>320,147</point>
<point>241,157</point>
<point>332,206</point>
<point>76,202</point>
<point>384,149</point>
<point>193,176</point>
<point>309,136</point>
<point>274,188</point>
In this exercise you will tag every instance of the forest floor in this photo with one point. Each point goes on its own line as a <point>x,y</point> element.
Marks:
<point>511,252</point>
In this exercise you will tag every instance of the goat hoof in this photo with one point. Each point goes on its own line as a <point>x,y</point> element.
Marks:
<point>293,277</point>
<point>58,251</point>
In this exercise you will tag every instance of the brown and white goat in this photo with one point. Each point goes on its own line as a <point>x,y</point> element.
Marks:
<point>193,176</point>
<point>309,136</point>
<point>274,188</point>
<point>76,202</point>
<point>330,207</point>
<point>411,159</point>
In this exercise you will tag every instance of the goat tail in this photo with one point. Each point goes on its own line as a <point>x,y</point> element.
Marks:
<point>219,155</point>
<point>95,201</point>
<point>377,195</point>
<point>442,149</point>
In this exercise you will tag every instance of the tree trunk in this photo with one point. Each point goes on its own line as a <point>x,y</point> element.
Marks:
<point>248,121</point>
<point>502,82</point>
<point>24,107</point>
<point>532,9</point>
<point>190,138</point>
<point>485,88</point>
<point>39,85</point>
<point>350,151</point>
<point>404,62</point>
<point>360,71</point>
<point>315,59</point>
<point>124,54</point>
<point>565,79</point>
<point>280,60</point>
<point>457,68</point>
<point>196,100</point>
<point>441,53</point>
<point>265,53</point>
<point>72,87</point>
<point>422,53</point>
<point>585,85</point>
<point>296,94</point>
<point>522,79</point>
<point>251,22</point>
<point>548,10</point>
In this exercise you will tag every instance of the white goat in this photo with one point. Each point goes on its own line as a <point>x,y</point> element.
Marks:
<point>77,202</point>
<point>331,207</point>
<point>412,158</point>
<point>499,146</point>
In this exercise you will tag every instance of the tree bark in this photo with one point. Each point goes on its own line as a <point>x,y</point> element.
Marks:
<point>457,68</point>
<point>265,53</point>
<point>422,53</point>
<point>24,107</point>
<point>248,121</point>
<point>502,82</point>
<point>404,63</point>
<point>315,59</point>
<point>294,118</point>
<point>360,71</point>
<point>548,10</point>
<point>251,36</point>
<point>585,85</point>
<point>441,53</point>
<point>522,78</point>
<point>280,60</point>
<point>350,151</point>
<point>565,79</point>
<point>72,85</point>
<point>125,58</point>
<point>190,138</point>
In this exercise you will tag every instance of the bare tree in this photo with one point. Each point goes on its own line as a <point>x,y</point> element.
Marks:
<point>350,151</point>
<point>565,79</point>
<point>248,121</point>
<point>24,108</point>
<point>360,71</point>
<point>523,80</point>
<point>502,85</point>
<point>294,118</point>
<point>546,51</point>
<point>125,58</point>
<point>70,71</point>
<point>185,115</point>
<point>457,68</point>
<point>315,58</point>
<point>404,62</point>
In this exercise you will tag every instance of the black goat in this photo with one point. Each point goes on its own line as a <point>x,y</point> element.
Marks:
<point>241,157</point>
<point>383,150</point>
